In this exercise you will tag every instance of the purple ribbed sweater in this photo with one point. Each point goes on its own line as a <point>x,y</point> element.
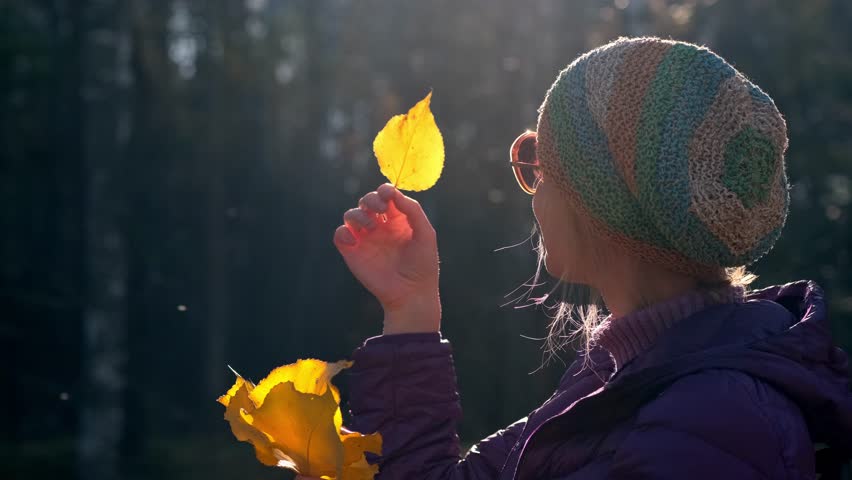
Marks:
<point>628,336</point>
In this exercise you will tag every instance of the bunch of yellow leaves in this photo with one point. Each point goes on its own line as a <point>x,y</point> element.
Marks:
<point>292,417</point>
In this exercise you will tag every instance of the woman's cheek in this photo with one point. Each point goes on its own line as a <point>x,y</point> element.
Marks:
<point>542,215</point>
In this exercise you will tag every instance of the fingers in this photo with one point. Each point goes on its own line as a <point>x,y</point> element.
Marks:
<point>409,207</point>
<point>377,206</point>
<point>372,202</point>
<point>344,237</point>
<point>359,219</point>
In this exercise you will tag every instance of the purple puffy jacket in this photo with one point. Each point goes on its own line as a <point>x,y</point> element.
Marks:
<point>741,390</point>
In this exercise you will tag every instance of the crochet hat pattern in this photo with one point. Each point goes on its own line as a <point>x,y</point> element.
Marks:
<point>670,151</point>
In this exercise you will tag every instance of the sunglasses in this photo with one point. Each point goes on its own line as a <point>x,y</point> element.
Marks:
<point>525,163</point>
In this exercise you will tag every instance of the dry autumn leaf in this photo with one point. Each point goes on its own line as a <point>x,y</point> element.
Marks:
<point>292,417</point>
<point>410,149</point>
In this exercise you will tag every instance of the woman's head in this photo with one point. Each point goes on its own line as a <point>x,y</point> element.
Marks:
<point>664,149</point>
<point>659,151</point>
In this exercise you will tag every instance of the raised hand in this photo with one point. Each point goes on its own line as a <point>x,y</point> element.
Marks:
<point>391,248</point>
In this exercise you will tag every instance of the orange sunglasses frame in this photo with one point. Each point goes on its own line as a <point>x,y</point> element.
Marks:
<point>517,165</point>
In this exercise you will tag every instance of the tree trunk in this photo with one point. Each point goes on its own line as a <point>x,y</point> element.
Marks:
<point>107,88</point>
<point>214,152</point>
<point>322,25</point>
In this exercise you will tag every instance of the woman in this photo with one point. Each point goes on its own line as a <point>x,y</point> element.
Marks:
<point>655,169</point>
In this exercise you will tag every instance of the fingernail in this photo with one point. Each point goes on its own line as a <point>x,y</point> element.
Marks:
<point>386,194</point>
<point>347,238</point>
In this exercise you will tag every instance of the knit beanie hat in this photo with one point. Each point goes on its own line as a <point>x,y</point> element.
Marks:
<point>670,151</point>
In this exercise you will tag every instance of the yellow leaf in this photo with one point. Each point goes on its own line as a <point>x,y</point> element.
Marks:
<point>410,148</point>
<point>292,417</point>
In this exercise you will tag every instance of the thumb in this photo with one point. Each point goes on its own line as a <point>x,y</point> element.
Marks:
<point>409,207</point>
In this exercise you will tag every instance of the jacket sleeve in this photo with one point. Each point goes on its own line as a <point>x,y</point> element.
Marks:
<point>716,424</point>
<point>404,386</point>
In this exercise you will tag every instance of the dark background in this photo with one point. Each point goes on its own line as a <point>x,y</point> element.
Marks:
<point>172,173</point>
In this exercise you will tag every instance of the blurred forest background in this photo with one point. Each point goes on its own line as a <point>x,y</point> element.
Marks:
<point>172,172</point>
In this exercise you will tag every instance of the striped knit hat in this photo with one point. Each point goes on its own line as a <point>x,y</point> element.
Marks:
<point>669,151</point>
